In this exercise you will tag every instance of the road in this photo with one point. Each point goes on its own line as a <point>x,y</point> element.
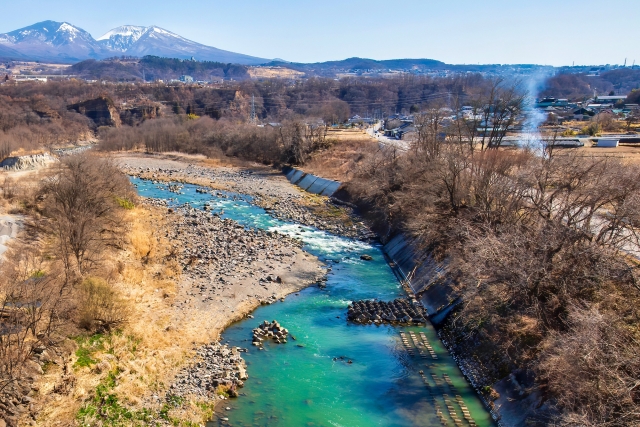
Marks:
<point>385,141</point>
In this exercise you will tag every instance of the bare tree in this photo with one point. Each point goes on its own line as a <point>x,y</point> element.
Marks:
<point>430,134</point>
<point>490,116</point>
<point>82,202</point>
<point>34,306</point>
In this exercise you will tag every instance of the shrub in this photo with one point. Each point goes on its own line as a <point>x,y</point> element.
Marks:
<point>100,306</point>
<point>125,203</point>
<point>593,129</point>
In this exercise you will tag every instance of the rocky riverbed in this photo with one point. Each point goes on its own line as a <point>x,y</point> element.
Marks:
<point>267,187</point>
<point>217,371</point>
<point>219,256</point>
<point>227,270</point>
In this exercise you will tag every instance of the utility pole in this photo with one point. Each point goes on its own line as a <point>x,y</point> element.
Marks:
<point>252,117</point>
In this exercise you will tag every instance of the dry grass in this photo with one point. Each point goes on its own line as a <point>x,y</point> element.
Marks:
<point>341,159</point>
<point>156,342</point>
<point>348,135</point>
<point>626,153</point>
<point>273,72</point>
<point>149,349</point>
<point>18,189</point>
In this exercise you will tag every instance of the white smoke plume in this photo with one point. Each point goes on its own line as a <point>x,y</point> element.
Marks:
<point>534,117</point>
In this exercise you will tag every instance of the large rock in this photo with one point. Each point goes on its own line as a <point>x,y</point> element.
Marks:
<point>139,113</point>
<point>102,111</point>
<point>34,161</point>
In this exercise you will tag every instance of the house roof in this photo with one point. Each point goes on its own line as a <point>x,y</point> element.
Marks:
<point>610,97</point>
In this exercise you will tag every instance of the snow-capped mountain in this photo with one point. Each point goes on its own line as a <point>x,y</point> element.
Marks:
<point>61,41</point>
<point>153,40</point>
<point>122,38</point>
<point>50,40</point>
<point>50,32</point>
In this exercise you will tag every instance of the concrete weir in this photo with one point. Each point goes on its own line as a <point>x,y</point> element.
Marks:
<point>426,276</point>
<point>311,183</point>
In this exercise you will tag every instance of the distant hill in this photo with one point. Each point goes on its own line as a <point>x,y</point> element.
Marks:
<point>360,64</point>
<point>65,43</point>
<point>156,68</point>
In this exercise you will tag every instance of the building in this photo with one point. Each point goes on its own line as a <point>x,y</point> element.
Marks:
<point>608,142</point>
<point>186,79</point>
<point>611,99</point>
<point>552,102</point>
<point>583,114</point>
<point>29,78</point>
<point>402,131</point>
<point>600,107</point>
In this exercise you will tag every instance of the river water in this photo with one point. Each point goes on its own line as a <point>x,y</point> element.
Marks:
<point>309,381</point>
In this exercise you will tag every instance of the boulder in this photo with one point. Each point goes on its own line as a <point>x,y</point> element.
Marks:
<point>102,111</point>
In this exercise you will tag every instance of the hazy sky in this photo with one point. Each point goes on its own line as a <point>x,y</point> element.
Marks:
<point>554,32</point>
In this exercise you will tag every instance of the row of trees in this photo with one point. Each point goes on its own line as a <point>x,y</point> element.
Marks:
<point>538,243</point>
<point>290,142</point>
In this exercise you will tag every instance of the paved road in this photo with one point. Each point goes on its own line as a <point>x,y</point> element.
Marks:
<point>385,141</point>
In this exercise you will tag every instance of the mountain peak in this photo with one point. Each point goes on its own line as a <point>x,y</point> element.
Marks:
<point>61,41</point>
<point>122,38</point>
<point>123,30</point>
<point>50,32</point>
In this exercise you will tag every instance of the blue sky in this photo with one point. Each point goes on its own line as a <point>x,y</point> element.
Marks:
<point>555,32</point>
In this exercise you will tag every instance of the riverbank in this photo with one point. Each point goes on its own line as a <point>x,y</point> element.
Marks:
<point>267,186</point>
<point>358,271</point>
<point>185,275</point>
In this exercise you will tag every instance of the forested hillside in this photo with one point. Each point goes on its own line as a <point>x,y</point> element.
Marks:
<point>579,86</point>
<point>153,68</point>
<point>34,115</point>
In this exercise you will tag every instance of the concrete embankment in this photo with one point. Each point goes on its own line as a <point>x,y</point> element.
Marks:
<point>311,183</point>
<point>426,276</point>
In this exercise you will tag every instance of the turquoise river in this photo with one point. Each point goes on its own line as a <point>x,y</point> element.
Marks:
<point>309,382</point>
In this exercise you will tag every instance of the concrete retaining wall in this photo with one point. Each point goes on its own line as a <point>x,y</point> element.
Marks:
<point>428,278</point>
<point>311,183</point>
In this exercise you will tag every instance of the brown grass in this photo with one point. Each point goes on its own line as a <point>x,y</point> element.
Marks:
<point>341,159</point>
<point>273,72</point>
<point>348,135</point>
<point>150,348</point>
<point>626,153</point>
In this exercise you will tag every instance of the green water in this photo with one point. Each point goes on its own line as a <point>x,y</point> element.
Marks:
<point>308,381</point>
